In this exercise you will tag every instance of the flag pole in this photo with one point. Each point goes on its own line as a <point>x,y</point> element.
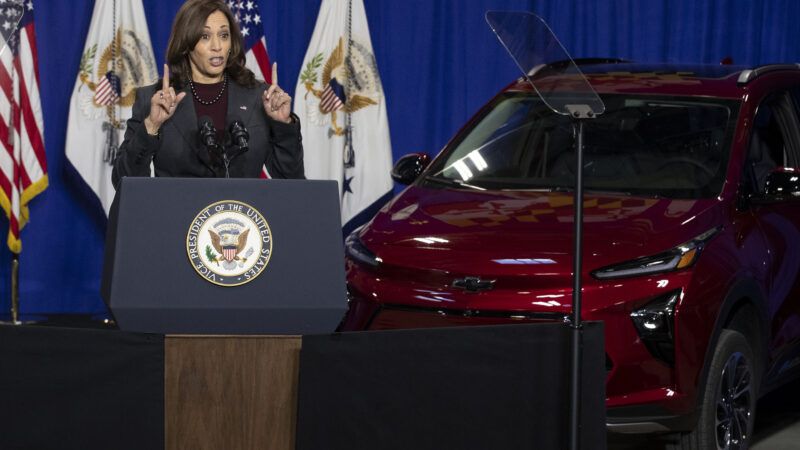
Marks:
<point>15,289</point>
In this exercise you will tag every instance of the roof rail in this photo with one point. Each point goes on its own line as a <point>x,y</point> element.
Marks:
<point>751,74</point>
<point>558,66</point>
<point>586,62</point>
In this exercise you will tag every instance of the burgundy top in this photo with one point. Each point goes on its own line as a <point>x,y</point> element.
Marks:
<point>216,111</point>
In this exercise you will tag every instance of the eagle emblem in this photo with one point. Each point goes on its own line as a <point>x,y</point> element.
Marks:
<point>127,60</point>
<point>348,83</point>
<point>229,243</point>
<point>229,239</point>
<point>112,78</point>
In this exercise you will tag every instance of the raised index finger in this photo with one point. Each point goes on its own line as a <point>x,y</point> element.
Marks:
<point>165,79</point>
<point>275,73</point>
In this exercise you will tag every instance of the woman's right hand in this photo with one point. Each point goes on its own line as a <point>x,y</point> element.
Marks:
<point>162,105</point>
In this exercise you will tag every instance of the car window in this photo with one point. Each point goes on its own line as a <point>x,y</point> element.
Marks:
<point>792,128</point>
<point>784,112</point>
<point>665,146</point>
<point>767,149</point>
<point>775,137</point>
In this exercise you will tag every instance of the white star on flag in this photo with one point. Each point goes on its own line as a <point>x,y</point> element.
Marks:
<point>255,44</point>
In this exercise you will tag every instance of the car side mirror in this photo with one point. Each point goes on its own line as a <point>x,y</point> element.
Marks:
<point>409,167</point>
<point>782,184</point>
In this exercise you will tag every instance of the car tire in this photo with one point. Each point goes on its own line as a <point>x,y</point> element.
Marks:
<point>727,412</point>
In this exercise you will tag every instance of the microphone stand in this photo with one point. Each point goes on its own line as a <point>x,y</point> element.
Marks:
<point>215,148</point>
<point>208,136</point>
<point>225,161</point>
<point>239,137</point>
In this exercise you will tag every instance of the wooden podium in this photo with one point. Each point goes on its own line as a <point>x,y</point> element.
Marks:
<point>231,335</point>
<point>232,392</point>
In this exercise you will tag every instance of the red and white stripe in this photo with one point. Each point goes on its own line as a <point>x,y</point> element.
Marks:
<point>23,165</point>
<point>329,101</point>
<point>258,61</point>
<point>104,93</point>
<point>229,253</point>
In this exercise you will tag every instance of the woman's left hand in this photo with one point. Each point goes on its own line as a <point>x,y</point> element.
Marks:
<point>277,104</point>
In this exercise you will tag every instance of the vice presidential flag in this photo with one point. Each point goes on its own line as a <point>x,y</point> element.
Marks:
<point>23,166</point>
<point>116,59</point>
<point>340,101</point>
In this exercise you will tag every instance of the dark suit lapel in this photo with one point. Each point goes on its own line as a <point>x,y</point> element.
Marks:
<point>241,103</point>
<point>185,120</point>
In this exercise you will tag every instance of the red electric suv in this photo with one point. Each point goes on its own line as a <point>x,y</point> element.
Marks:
<point>691,215</point>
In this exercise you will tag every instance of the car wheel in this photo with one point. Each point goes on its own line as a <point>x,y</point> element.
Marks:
<point>728,409</point>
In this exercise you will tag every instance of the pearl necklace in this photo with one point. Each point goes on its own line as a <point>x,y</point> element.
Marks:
<point>216,99</point>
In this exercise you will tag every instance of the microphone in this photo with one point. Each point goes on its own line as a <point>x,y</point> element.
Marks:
<point>208,134</point>
<point>239,135</point>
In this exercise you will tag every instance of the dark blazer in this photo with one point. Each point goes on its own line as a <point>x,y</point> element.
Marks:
<point>178,152</point>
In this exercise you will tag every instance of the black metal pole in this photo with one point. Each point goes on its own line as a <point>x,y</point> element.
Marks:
<point>576,325</point>
<point>14,288</point>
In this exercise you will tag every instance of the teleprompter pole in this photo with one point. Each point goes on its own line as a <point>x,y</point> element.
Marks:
<point>575,322</point>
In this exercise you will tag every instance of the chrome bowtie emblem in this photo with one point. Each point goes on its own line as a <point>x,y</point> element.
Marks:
<point>473,284</point>
<point>244,108</point>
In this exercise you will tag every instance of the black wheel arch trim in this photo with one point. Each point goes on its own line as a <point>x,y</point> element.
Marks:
<point>743,292</point>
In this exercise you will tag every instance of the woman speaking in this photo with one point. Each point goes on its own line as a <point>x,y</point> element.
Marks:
<point>203,135</point>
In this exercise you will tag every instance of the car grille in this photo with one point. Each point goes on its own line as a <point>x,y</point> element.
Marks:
<point>394,317</point>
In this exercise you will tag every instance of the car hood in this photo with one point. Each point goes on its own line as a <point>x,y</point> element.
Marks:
<point>489,233</point>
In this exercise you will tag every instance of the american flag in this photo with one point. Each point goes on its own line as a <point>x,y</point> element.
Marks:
<point>333,97</point>
<point>23,166</point>
<point>107,90</point>
<point>248,17</point>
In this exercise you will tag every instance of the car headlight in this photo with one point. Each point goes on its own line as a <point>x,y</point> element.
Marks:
<point>356,250</point>
<point>680,257</point>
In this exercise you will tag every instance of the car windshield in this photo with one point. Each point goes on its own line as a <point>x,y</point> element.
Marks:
<point>675,147</point>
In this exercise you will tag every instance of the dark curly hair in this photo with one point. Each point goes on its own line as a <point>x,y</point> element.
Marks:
<point>186,32</point>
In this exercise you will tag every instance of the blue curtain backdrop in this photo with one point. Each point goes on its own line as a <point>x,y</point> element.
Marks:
<point>438,61</point>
